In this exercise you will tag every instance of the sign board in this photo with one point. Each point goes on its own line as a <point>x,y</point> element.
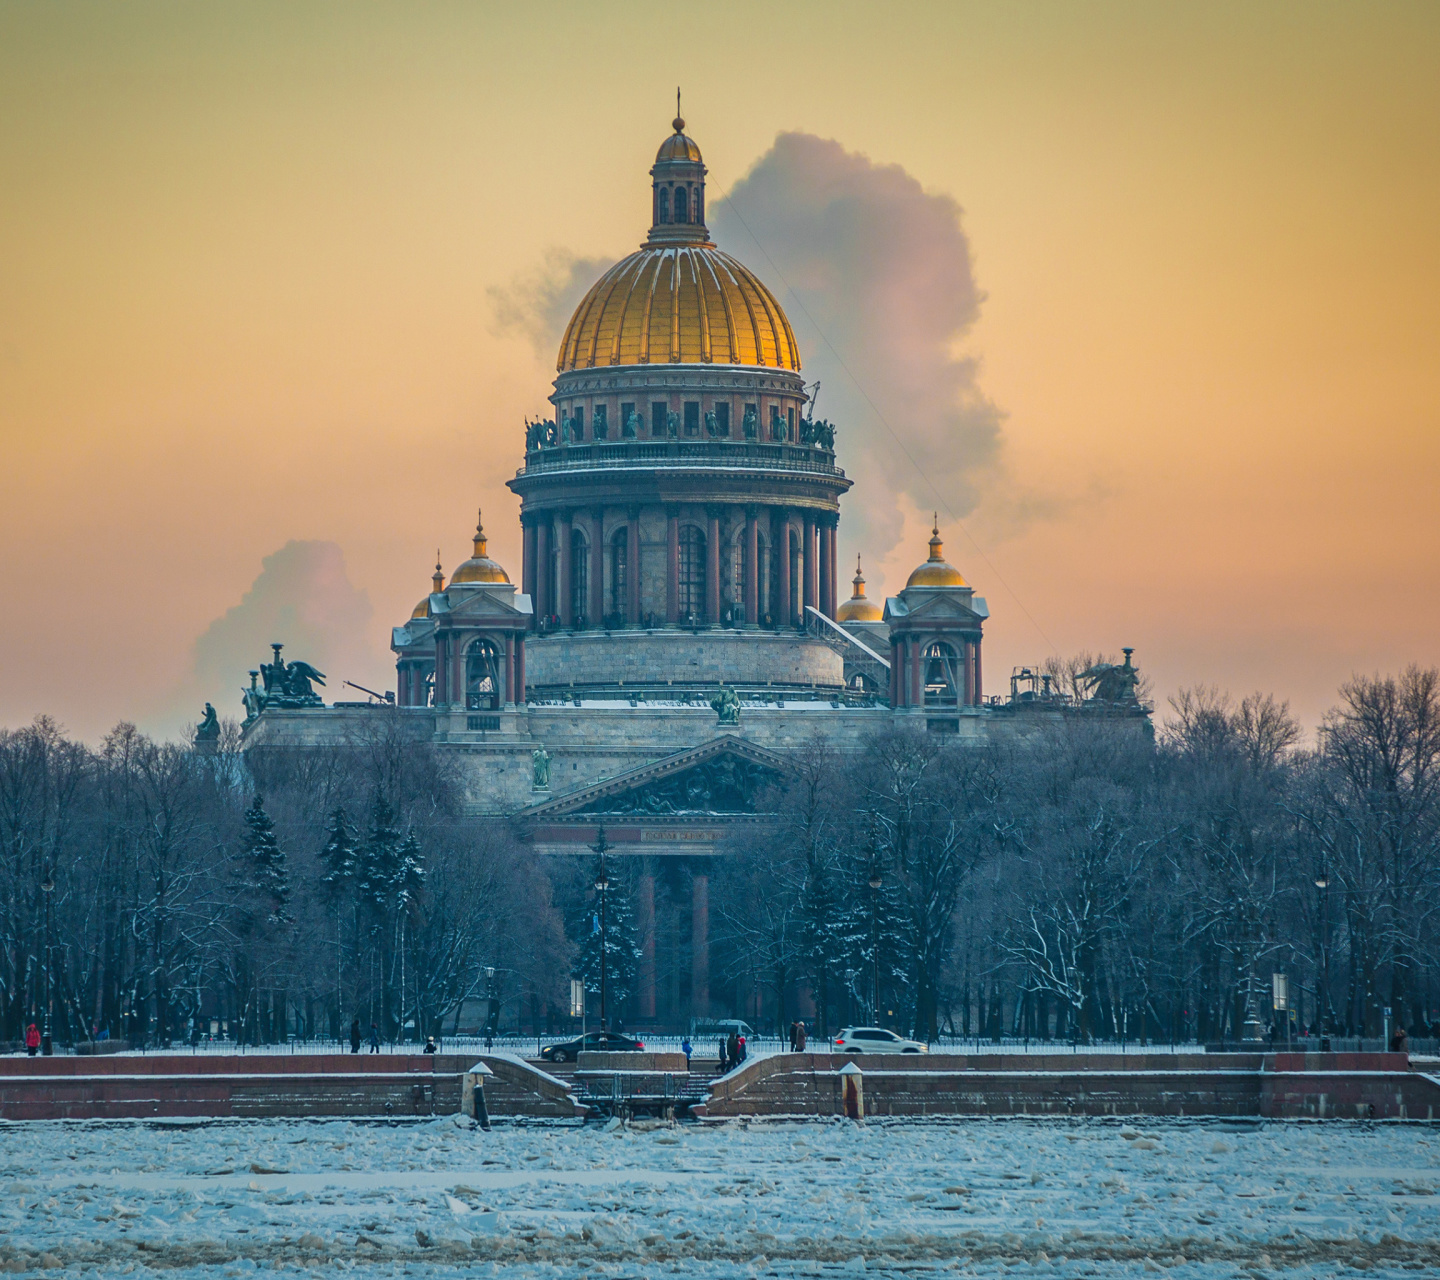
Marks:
<point>577,998</point>
<point>1280,986</point>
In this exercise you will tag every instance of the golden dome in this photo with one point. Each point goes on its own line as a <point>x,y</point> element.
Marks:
<point>437,584</point>
<point>858,608</point>
<point>682,304</point>
<point>677,146</point>
<point>479,568</point>
<point>936,571</point>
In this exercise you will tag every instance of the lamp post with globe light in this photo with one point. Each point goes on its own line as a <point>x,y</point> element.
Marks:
<point>1322,883</point>
<point>47,887</point>
<point>875,883</point>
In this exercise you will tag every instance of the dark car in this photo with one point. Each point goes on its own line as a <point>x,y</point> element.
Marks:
<point>591,1042</point>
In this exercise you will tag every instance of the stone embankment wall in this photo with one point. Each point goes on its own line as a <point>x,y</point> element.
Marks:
<point>180,1084</point>
<point>1379,1086</point>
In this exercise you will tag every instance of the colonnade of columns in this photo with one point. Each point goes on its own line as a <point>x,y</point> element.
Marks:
<point>449,671</point>
<point>907,669</point>
<point>549,536</point>
<point>647,978</point>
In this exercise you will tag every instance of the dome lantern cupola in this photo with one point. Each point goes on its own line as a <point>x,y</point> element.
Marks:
<point>437,585</point>
<point>678,189</point>
<point>936,571</point>
<point>479,568</point>
<point>859,608</point>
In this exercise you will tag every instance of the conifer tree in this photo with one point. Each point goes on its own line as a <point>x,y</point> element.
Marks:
<point>339,856</point>
<point>621,954</point>
<point>266,863</point>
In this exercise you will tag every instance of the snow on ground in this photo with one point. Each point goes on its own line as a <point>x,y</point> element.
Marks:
<point>1063,1198</point>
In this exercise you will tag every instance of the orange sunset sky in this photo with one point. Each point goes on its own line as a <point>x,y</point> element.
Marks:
<point>277,274</point>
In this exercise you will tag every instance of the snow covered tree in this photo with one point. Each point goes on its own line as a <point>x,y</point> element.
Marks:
<point>265,863</point>
<point>339,856</point>
<point>618,934</point>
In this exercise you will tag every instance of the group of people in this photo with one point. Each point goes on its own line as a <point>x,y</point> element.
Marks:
<point>797,1037</point>
<point>732,1052</point>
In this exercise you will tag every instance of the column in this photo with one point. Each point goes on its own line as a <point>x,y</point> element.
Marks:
<point>712,565</point>
<point>827,570</point>
<point>645,926</point>
<point>787,589</point>
<point>834,527</point>
<point>897,689</point>
<point>520,670</point>
<point>811,569</point>
<point>979,684</point>
<point>672,565</point>
<point>632,568</point>
<point>509,670</point>
<point>457,673</point>
<point>566,612</point>
<point>527,567</point>
<point>542,567</point>
<point>752,567</point>
<point>438,689</point>
<point>597,565</point>
<point>699,946</point>
<point>917,690</point>
<point>969,650</point>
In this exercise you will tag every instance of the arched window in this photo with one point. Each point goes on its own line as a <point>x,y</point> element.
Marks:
<point>579,576</point>
<point>863,683</point>
<point>482,677</point>
<point>620,574</point>
<point>942,675</point>
<point>664,206</point>
<point>692,574</point>
<point>682,205</point>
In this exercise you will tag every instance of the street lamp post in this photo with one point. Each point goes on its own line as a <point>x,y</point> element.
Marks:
<point>1322,882</point>
<point>47,887</point>
<point>602,886</point>
<point>875,883</point>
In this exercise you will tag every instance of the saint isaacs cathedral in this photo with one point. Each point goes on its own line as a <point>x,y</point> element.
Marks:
<point>678,630</point>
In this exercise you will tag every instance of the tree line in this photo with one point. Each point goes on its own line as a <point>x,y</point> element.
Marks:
<point>1077,879</point>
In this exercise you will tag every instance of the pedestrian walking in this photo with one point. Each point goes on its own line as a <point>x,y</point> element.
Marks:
<point>724,1057</point>
<point>740,1050</point>
<point>374,1038</point>
<point>685,1049</point>
<point>355,1036</point>
<point>799,1037</point>
<point>793,1038</point>
<point>732,1049</point>
<point>32,1039</point>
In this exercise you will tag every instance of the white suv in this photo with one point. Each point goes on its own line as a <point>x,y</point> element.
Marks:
<point>876,1040</point>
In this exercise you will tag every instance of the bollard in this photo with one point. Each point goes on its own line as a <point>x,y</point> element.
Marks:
<point>474,1085</point>
<point>852,1085</point>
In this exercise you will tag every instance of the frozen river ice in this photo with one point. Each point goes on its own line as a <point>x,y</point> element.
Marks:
<point>223,1199</point>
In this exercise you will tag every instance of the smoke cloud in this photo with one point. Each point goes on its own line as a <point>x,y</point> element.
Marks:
<point>877,277</point>
<point>304,599</point>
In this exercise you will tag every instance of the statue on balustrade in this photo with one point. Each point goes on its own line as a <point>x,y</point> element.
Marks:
<point>207,732</point>
<point>712,427</point>
<point>726,705</point>
<point>289,684</point>
<point>750,424</point>
<point>672,425</point>
<point>630,428</point>
<point>540,758</point>
<point>777,424</point>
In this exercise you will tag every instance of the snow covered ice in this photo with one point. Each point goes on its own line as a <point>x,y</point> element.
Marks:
<point>227,1198</point>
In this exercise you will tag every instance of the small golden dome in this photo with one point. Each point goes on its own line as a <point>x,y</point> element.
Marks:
<point>479,568</point>
<point>677,146</point>
<point>858,608</point>
<point>682,304</point>
<point>936,571</point>
<point>437,584</point>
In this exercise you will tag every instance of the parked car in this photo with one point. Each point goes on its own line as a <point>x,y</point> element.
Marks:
<point>876,1040</point>
<point>713,1028</point>
<point>591,1042</point>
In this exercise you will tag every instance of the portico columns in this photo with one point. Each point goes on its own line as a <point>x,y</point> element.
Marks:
<point>520,670</point>
<point>752,567</point>
<point>917,689</point>
<point>509,670</point>
<point>969,674</point>
<point>979,684</point>
<point>566,612</point>
<point>527,568</point>
<point>597,565</point>
<point>781,545</point>
<point>542,566</point>
<point>712,566</point>
<point>811,569</point>
<point>458,700</point>
<point>699,945</point>
<point>827,569</point>
<point>632,568</point>
<point>672,566</point>
<point>645,924</point>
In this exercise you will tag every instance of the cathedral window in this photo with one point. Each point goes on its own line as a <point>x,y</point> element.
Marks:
<point>482,677</point>
<point>682,205</point>
<point>664,215</point>
<point>942,675</point>
<point>579,423</point>
<point>658,412</point>
<point>692,417</point>
<point>619,573</point>
<point>722,417</point>
<point>599,427</point>
<point>692,574</point>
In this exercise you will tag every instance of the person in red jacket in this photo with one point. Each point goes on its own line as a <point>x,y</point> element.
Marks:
<point>32,1039</point>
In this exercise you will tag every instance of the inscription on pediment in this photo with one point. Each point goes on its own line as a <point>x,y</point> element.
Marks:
<point>726,783</point>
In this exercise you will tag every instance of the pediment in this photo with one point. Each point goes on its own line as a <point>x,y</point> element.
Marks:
<point>943,606</point>
<point>487,605</point>
<point>725,777</point>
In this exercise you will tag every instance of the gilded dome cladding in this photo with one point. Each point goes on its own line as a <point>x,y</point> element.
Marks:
<point>936,571</point>
<point>687,304</point>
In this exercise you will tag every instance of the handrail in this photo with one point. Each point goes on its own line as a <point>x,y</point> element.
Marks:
<point>859,644</point>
